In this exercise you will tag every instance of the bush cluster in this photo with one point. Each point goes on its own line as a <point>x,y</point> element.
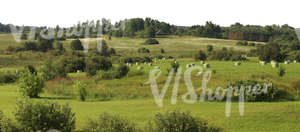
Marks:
<point>110,123</point>
<point>8,77</point>
<point>44,116</point>
<point>51,70</point>
<point>31,84</point>
<point>151,41</point>
<point>226,55</point>
<point>245,43</point>
<point>136,59</point>
<point>271,93</point>
<point>94,64</point>
<point>76,45</point>
<point>113,73</point>
<point>176,121</point>
<point>200,56</point>
<point>80,90</point>
<point>143,50</point>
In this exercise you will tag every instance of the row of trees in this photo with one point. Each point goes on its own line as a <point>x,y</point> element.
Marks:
<point>4,28</point>
<point>150,28</point>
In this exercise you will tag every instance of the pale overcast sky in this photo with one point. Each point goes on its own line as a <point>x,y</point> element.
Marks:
<point>178,12</point>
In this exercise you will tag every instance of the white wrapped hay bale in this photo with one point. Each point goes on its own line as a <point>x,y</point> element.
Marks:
<point>287,62</point>
<point>263,62</point>
<point>206,65</point>
<point>275,64</point>
<point>188,66</point>
<point>140,68</point>
<point>295,61</point>
<point>237,63</point>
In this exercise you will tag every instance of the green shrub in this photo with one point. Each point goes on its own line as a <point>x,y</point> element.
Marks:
<point>110,123</point>
<point>31,69</point>
<point>209,48</point>
<point>143,50</point>
<point>111,51</point>
<point>45,44</point>
<point>118,73</point>
<point>8,77</point>
<point>93,64</point>
<point>272,93</point>
<point>80,90</point>
<point>75,63</point>
<point>242,43</point>
<point>51,70</point>
<point>59,46</point>
<point>30,45</point>
<point>151,41</point>
<point>294,55</point>
<point>281,72</point>
<point>175,65</point>
<point>162,51</point>
<point>76,45</point>
<point>200,56</point>
<point>176,121</point>
<point>44,116</point>
<point>31,84</point>
<point>225,55</point>
<point>122,71</point>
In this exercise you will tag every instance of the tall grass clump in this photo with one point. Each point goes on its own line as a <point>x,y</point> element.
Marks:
<point>80,90</point>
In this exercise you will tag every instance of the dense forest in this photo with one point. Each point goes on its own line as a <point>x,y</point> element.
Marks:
<point>150,28</point>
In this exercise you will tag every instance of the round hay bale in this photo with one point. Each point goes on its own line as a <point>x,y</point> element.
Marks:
<point>295,61</point>
<point>287,62</point>
<point>188,66</point>
<point>275,65</point>
<point>140,68</point>
<point>237,63</point>
<point>263,62</point>
<point>202,62</point>
<point>273,62</point>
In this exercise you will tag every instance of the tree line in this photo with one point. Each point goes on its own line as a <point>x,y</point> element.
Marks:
<point>150,28</point>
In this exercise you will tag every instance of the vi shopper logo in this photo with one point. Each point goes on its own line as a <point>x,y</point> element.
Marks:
<point>191,96</point>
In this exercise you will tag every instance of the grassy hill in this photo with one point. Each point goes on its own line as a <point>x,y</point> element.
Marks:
<point>132,98</point>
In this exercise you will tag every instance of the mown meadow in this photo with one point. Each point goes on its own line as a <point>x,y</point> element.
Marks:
<point>131,95</point>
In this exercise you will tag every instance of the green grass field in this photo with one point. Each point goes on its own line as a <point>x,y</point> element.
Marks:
<point>130,98</point>
<point>275,117</point>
